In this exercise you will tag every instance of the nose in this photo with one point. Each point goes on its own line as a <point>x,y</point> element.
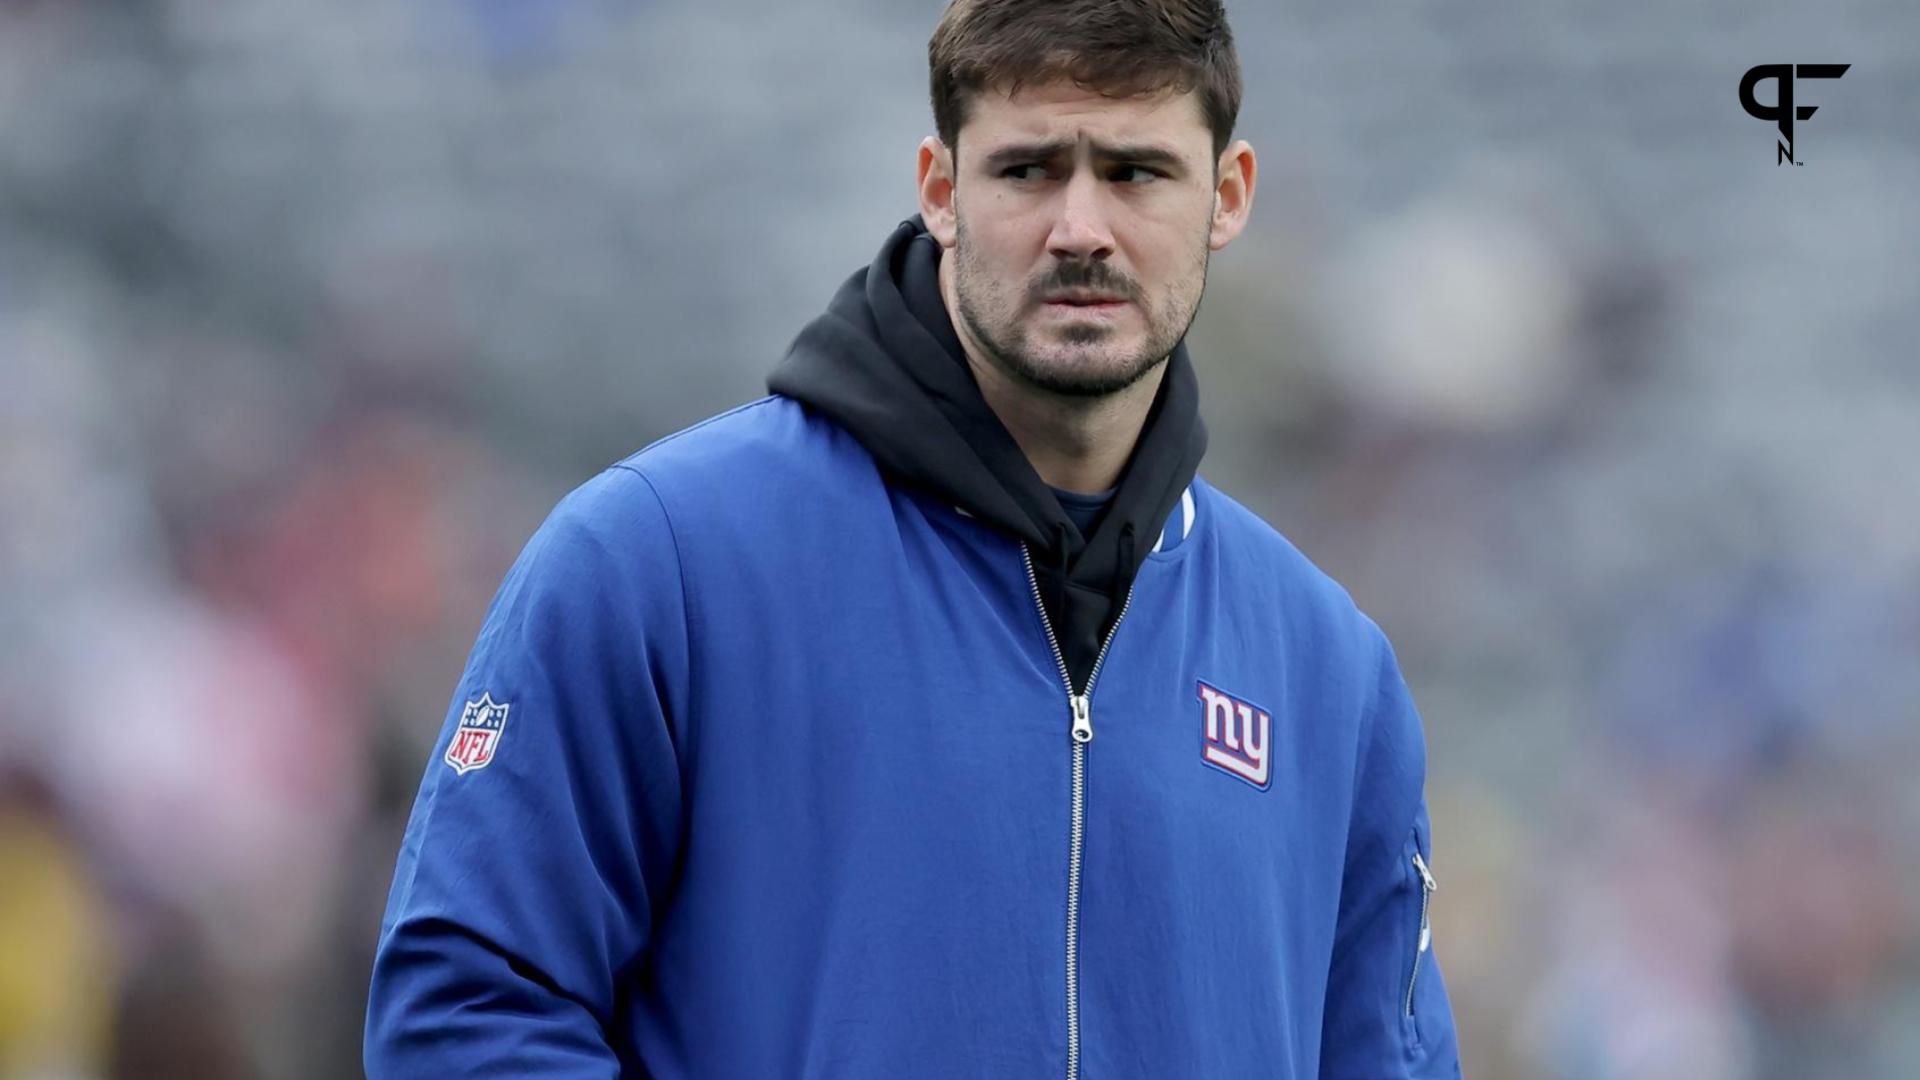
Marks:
<point>1080,229</point>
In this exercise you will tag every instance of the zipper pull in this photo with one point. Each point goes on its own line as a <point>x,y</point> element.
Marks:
<point>1427,888</point>
<point>1082,718</point>
<point>1426,876</point>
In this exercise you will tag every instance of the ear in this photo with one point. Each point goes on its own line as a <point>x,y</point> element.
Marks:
<point>1232,194</point>
<point>934,173</point>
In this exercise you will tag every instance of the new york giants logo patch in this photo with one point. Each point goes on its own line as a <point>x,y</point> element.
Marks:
<point>478,735</point>
<point>1236,736</point>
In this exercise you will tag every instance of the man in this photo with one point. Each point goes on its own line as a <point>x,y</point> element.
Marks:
<point>930,717</point>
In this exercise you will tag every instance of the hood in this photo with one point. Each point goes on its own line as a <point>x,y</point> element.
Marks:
<point>884,362</point>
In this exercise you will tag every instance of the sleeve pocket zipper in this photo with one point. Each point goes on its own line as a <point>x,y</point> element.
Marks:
<point>1427,889</point>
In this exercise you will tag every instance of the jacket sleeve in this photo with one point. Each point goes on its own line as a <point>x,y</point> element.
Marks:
<point>529,877</point>
<point>1387,1015</point>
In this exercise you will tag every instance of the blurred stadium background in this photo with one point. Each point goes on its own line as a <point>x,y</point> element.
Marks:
<point>309,312</point>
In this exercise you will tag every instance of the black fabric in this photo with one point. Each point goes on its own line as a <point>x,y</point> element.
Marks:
<point>884,362</point>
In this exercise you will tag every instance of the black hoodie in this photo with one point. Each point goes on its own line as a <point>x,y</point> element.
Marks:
<point>884,362</point>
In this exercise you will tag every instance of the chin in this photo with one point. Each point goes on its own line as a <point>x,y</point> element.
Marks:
<point>1079,375</point>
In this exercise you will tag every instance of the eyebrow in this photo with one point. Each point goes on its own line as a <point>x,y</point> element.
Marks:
<point>1132,154</point>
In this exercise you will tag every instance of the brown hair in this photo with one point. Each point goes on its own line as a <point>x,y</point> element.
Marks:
<point>1119,48</point>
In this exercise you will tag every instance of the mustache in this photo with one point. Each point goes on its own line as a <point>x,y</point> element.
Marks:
<point>1083,275</point>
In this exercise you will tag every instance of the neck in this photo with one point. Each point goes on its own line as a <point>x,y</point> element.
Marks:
<point>1075,443</point>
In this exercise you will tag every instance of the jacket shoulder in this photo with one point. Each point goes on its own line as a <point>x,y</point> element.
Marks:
<point>1261,554</point>
<point>755,452</point>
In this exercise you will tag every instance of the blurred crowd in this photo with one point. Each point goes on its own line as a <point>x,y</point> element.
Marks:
<point>309,312</point>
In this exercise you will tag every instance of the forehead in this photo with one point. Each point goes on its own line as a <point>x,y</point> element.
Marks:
<point>1062,110</point>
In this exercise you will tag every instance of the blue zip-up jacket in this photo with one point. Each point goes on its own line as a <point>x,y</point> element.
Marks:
<point>766,765</point>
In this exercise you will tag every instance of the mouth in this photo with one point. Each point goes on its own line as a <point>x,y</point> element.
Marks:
<point>1085,301</point>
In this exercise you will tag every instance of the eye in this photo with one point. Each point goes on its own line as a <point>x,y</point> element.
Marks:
<point>1015,172</point>
<point>1135,174</point>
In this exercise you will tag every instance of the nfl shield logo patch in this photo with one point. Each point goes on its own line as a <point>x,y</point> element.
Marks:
<point>474,742</point>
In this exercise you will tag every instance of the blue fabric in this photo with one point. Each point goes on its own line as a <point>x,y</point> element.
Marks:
<point>1082,508</point>
<point>784,790</point>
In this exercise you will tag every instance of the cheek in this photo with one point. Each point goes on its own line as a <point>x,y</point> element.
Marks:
<point>997,268</point>
<point>1179,258</point>
<point>1009,228</point>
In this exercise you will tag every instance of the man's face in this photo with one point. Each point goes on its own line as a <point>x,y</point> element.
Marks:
<point>1082,233</point>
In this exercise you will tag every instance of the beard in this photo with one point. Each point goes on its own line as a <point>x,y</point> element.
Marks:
<point>1081,358</point>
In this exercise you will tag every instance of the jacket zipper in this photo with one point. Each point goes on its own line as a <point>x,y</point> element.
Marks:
<point>1427,889</point>
<point>1081,708</point>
